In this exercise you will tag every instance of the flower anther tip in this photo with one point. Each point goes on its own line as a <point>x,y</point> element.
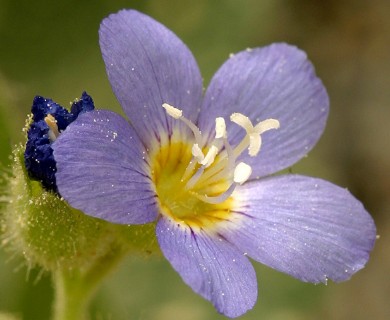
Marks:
<point>210,156</point>
<point>220,128</point>
<point>197,152</point>
<point>172,111</point>
<point>53,128</point>
<point>242,173</point>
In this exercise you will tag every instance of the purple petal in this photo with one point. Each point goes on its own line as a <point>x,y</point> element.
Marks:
<point>306,227</point>
<point>102,170</point>
<point>271,82</point>
<point>211,266</point>
<point>147,66</point>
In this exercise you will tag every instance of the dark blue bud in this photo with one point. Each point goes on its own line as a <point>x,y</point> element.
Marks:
<point>84,104</point>
<point>38,156</point>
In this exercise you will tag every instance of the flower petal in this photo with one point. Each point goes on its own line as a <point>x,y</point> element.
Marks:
<point>147,66</point>
<point>272,82</point>
<point>306,227</point>
<point>211,266</point>
<point>102,170</point>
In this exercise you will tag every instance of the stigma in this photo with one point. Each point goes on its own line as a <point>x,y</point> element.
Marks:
<point>215,164</point>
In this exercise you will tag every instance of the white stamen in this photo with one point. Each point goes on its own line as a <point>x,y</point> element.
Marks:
<point>222,168</point>
<point>194,179</point>
<point>197,153</point>
<point>220,128</point>
<point>205,161</point>
<point>178,114</point>
<point>201,158</point>
<point>53,128</point>
<point>217,199</point>
<point>210,156</point>
<point>172,111</point>
<point>190,168</point>
<point>242,172</point>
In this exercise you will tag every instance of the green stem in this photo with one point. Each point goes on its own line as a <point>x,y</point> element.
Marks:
<point>74,289</point>
<point>71,297</point>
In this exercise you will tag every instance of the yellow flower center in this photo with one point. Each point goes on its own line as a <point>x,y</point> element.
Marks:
<point>179,202</point>
<point>194,181</point>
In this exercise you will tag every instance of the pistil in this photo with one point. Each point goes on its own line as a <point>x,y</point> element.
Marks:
<point>242,173</point>
<point>252,140</point>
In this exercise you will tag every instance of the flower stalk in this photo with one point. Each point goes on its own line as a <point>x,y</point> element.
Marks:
<point>74,289</point>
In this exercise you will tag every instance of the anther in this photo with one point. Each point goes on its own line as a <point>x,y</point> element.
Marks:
<point>172,111</point>
<point>53,128</point>
<point>178,114</point>
<point>220,128</point>
<point>201,158</point>
<point>210,156</point>
<point>197,153</point>
<point>242,173</point>
<point>205,162</point>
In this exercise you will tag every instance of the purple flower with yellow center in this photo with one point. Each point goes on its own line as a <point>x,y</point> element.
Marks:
<point>200,166</point>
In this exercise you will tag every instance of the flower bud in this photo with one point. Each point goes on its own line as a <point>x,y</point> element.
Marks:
<point>40,224</point>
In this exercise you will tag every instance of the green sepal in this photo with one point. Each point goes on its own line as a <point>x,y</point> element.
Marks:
<point>139,238</point>
<point>48,232</point>
<point>45,229</point>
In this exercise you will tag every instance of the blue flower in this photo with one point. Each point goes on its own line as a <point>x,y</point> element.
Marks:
<point>201,166</point>
<point>48,121</point>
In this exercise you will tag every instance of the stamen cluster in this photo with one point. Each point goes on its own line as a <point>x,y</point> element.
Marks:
<point>218,161</point>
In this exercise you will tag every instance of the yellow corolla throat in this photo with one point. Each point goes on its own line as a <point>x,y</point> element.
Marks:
<point>176,199</point>
<point>195,181</point>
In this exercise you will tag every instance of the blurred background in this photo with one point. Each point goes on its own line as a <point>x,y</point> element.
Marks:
<point>51,48</point>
